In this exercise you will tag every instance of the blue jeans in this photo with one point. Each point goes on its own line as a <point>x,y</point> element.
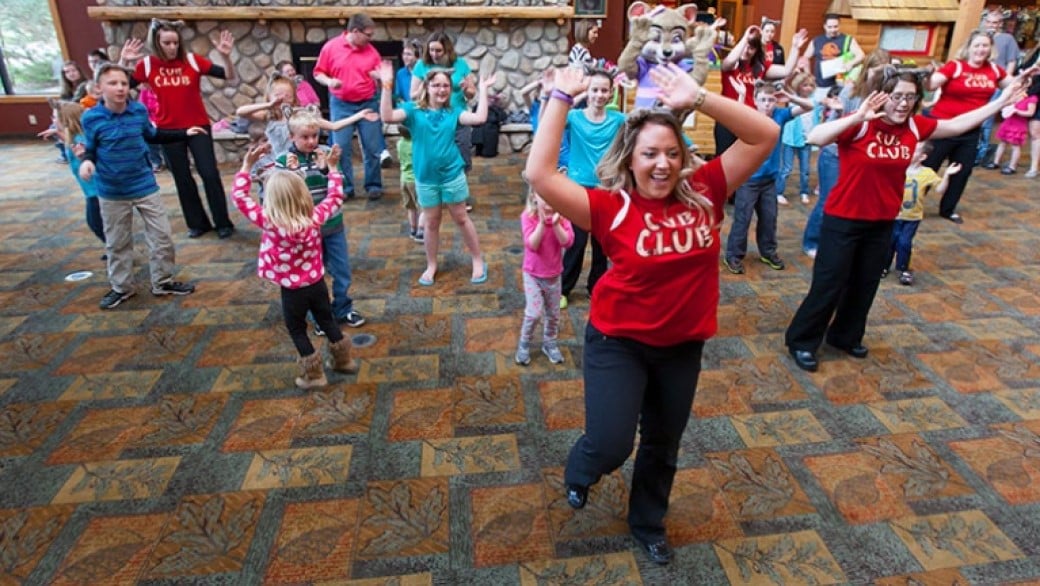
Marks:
<point>94,221</point>
<point>787,154</point>
<point>903,243</point>
<point>372,143</point>
<point>759,198</point>
<point>827,171</point>
<point>987,128</point>
<point>337,264</point>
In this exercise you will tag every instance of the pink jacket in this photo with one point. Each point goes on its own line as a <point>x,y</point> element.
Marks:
<point>289,260</point>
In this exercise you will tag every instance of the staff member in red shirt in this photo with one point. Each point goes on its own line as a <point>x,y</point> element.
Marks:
<point>657,215</point>
<point>967,82</point>
<point>174,75</point>
<point>745,64</point>
<point>349,66</point>
<point>875,146</point>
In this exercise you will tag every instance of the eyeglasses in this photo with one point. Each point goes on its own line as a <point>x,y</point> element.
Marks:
<point>908,98</point>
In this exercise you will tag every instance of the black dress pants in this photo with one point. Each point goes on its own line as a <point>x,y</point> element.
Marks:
<point>958,149</point>
<point>201,147</point>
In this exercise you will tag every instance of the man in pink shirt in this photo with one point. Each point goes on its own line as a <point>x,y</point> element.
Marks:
<point>349,66</point>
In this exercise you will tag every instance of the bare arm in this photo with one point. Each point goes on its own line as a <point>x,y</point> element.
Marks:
<point>756,133</point>
<point>366,114</point>
<point>562,193</point>
<point>224,46</point>
<point>951,170</point>
<point>386,98</point>
<point>788,68</point>
<point>858,55</point>
<point>828,132</point>
<point>730,62</point>
<point>257,111</point>
<point>968,120</point>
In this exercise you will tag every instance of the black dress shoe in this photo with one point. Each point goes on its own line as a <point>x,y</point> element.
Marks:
<point>577,495</point>
<point>196,233</point>
<point>225,233</point>
<point>857,351</point>
<point>659,552</point>
<point>805,359</point>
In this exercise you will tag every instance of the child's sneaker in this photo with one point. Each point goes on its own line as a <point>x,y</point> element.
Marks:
<point>780,199</point>
<point>773,261</point>
<point>884,273</point>
<point>385,160</point>
<point>1030,174</point>
<point>734,265</point>
<point>353,319</point>
<point>805,198</point>
<point>523,354</point>
<point>810,252</point>
<point>906,278</point>
<point>563,302</point>
<point>418,236</point>
<point>552,350</point>
<point>173,288</point>
<point>991,165</point>
<point>114,298</point>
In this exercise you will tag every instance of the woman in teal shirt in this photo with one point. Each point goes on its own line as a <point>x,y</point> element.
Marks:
<point>439,53</point>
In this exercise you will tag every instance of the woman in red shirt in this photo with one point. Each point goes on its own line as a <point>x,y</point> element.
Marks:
<point>966,82</point>
<point>174,75</point>
<point>745,64</point>
<point>657,215</point>
<point>875,146</point>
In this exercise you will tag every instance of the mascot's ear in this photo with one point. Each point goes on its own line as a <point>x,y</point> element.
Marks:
<point>688,12</point>
<point>638,9</point>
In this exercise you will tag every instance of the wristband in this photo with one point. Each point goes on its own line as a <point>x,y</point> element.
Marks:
<point>701,95</point>
<point>563,96</point>
<point>388,86</point>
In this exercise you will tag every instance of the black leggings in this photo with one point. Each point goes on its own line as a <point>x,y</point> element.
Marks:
<point>957,149</point>
<point>201,147</point>
<point>295,305</point>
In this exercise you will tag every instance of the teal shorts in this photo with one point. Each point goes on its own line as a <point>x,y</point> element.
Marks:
<point>434,196</point>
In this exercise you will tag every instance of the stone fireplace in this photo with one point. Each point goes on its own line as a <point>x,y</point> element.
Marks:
<point>516,42</point>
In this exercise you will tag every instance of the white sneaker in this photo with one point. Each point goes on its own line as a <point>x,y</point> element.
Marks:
<point>805,198</point>
<point>385,160</point>
<point>780,199</point>
<point>811,253</point>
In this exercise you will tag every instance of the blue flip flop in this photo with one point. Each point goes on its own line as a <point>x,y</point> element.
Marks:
<point>426,282</point>
<point>482,278</point>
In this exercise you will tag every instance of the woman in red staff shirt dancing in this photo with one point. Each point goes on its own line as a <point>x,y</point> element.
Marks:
<point>657,215</point>
<point>875,145</point>
<point>966,83</point>
<point>174,75</point>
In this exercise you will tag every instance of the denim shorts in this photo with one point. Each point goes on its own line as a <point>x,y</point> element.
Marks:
<point>449,193</point>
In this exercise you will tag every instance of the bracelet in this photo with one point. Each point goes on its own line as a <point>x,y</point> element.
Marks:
<point>562,96</point>
<point>388,86</point>
<point>701,95</point>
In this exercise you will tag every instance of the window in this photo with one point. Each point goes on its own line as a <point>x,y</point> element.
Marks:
<point>30,55</point>
<point>907,39</point>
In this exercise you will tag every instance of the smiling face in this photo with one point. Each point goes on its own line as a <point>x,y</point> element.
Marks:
<point>169,44</point>
<point>599,92</point>
<point>979,50</point>
<point>288,70</point>
<point>656,161</point>
<point>768,33</point>
<point>438,90</point>
<point>436,51</point>
<point>901,102</point>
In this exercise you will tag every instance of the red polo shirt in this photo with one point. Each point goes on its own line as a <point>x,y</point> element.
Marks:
<point>351,65</point>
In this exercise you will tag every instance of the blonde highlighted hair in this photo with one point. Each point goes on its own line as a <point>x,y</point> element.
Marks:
<point>614,170</point>
<point>962,51</point>
<point>68,118</point>
<point>302,119</point>
<point>287,202</point>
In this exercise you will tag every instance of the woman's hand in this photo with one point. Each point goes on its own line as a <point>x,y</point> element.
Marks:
<point>487,81</point>
<point>871,107</point>
<point>131,51</point>
<point>195,130</point>
<point>254,154</point>
<point>333,157</point>
<point>570,80</point>
<point>678,90</point>
<point>799,40</point>
<point>226,43</point>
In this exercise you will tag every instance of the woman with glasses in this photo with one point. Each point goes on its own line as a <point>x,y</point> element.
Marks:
<point>968,81</point>
<point>875,146</point>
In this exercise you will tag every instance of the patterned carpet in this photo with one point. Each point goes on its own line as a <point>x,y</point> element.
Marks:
<point>164,442</point>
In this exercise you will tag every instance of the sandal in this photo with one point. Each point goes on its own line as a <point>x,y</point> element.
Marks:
<point>1007,171</point>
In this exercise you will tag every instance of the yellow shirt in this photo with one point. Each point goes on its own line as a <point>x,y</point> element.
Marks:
<point>918,182</point>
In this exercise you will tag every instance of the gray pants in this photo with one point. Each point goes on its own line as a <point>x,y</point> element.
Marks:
<point>758,197</point>
<point>118,215</point>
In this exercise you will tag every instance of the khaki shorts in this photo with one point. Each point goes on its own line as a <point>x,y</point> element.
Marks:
<point>408,199</point>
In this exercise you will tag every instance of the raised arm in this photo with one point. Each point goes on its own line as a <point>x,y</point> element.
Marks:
<point>224,46</point>
<point>386,98</point>
<point>968,120</point>
<point>259,110</point>
<point>366,114</point>
<point>828,132</point>
<point>788,68</point>
<point>756,133</point>
<point>480,116</point>
<point>562,193</point>
<point>732,59</point>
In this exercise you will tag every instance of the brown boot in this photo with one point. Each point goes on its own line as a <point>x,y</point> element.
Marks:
<point>312,373</point>
<point>341,360</point>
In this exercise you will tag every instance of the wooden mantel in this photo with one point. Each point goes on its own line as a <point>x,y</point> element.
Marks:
<point>342,13</point>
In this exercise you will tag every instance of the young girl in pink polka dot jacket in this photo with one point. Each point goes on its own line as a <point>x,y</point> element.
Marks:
<point>290,256</point>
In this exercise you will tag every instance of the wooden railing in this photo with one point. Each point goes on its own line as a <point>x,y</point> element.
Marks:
<point>341,13</point>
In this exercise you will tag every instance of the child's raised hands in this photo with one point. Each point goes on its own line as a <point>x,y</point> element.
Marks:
<point>321,158</point>
<point>332,158</point>
<point>254,153</point>
<point>952,169</point>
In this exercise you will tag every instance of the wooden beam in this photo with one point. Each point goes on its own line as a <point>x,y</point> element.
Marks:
<point>968,19</point>
<point>789,26</point>
<point>139,13</point>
